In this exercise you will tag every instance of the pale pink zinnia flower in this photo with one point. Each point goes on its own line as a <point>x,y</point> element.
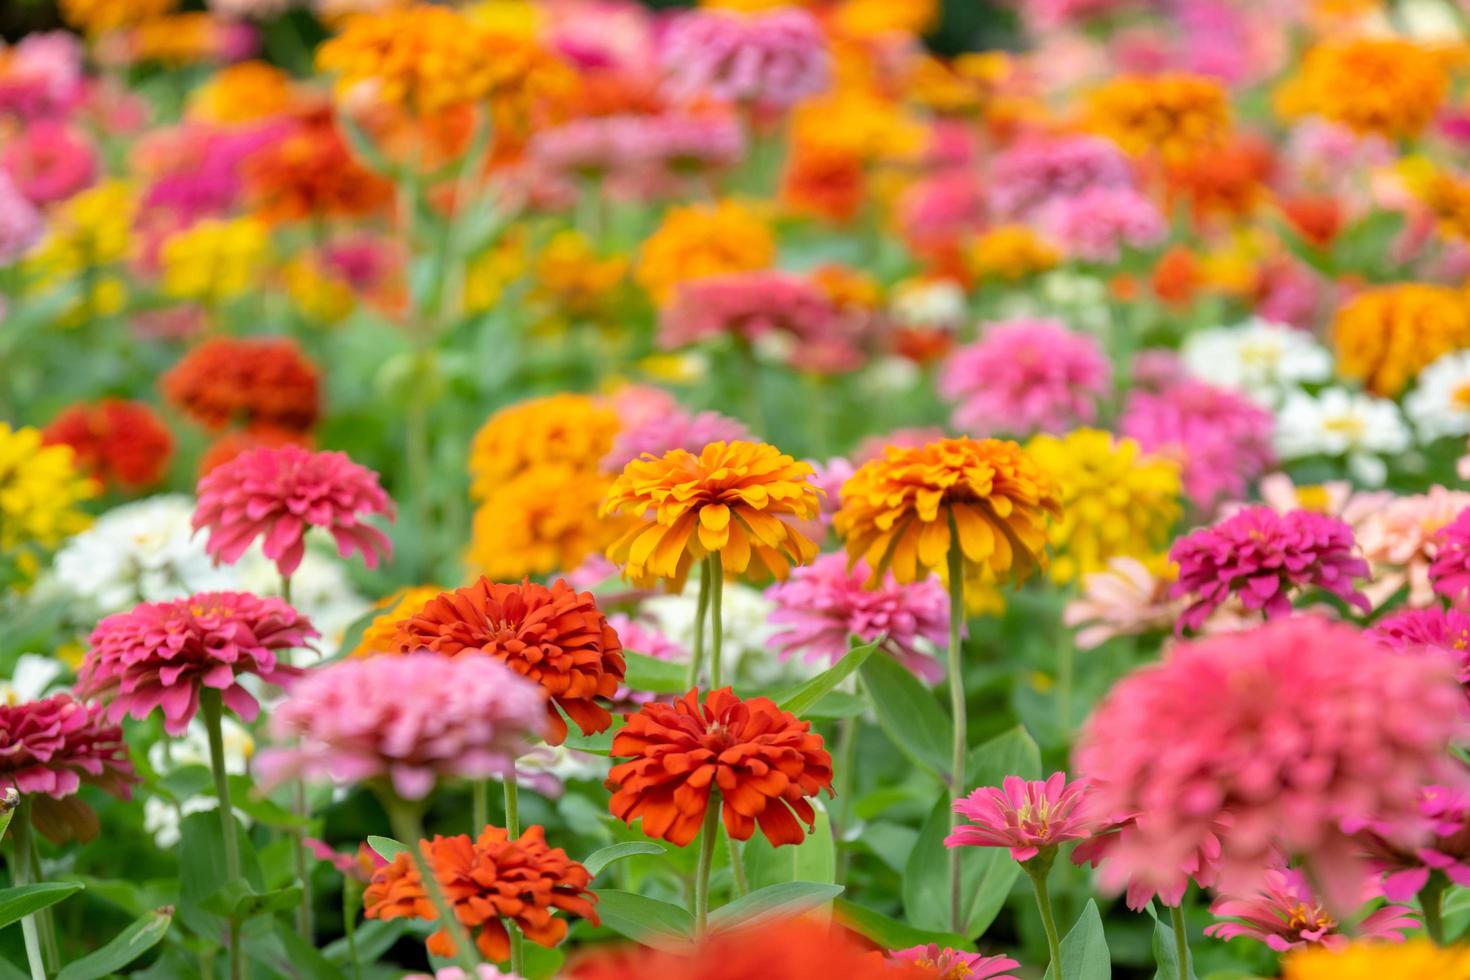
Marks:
<point>1398,537</point>
<point>1097,224</point>
<point>1284,913</point>
<point>1033,173</point>
<point>825,603</point>
<point>1027,816</point>
<point>677,429</point>
<point>954,964</point>
<point>1126,599</point>
<point>1288,738</point>
<point>159,654</point>
<point>277,493</point>
<point>776,58</point>
<point>49,161</point>
<point>410,719</point>
<point>1449,572</point>
<point>1025,376</point>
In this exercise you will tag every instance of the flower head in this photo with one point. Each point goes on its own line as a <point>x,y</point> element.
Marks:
<point>1127,598</point>
<point>52,746</point>
<point>309,171</point>
<point>555,636</point>
<point>739,499</point>
<point>1177,116</point>
<point>1449,573</point>
<point>118,442</point>
<point>954,964</point>
<point>696,241</point>
<point>776,58</point>
<point>1340,423</point>
<point>1446,631</point>
<point>1025,816</point>
<point>255,381</point>
<point>1386,335</point>
<point>1030,175</point>
<point>487,881</point>
<point>1100,222</point>
<point>101,16</point>
<point>160,654</point>
<point>1440,402</point>
<point>763,762</point>
<point>1376,960</point>
<point>898,510</point>
<point>41,491</point>
<point>1259,358</point>
<point>1285,914</point>
<point>1381,86</point>
<point>543,520</point>
<point>20,222</point>
<point>215,260</point>
<point>576,430</point>
<point>410,720</point>
<point>1406,870</point>
<point>49,161</point>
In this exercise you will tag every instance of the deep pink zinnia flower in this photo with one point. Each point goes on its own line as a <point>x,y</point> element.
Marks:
<point>825,603</point>
<point>954,964</point>
<point>1260,555</point>
<point>53,745</point>
<point>50,161</point>
<point>1444,630</point>
<point>675,429</point>
<point>1025,376</point>
<point>159,654</point>
<point>1449,572</point>
<point>1025,816</point>
<point>1288,738</point>
<point>42,75</point>
<point>1285,914</point>
<point>277,493</point>
<point>1406,870</point>
<point>409,719</point>
<point>776,58</point>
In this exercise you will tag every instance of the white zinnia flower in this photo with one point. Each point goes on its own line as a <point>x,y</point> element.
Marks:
<point>745,613</point>
<point>1342,423</point>
<point>1439,405</point>
<point>935,303</point>
<point>1262,359</point>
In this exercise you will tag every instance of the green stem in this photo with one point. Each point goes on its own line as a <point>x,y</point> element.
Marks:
<point>479,806</point>
<point>715,571</point>
<point>1431,902</point>
<point>957,711</point>
<point>846,748</point>
<point>45,919</point>
<point>25,872</point>
<point>1181,940</point>
<point>737,866</point>
<point>409,830</point>
<point>349,925</point>
<point>707,837</point>
<point>513,828</point>
<point>1043,904</point>
<point>305,926</point>
<point>701,612</point>
<point>212,708</point>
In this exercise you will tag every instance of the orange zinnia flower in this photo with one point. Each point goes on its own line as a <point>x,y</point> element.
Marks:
<point>763,761</point>
<point>897,510</point>
<point>487,881</point>
<point>255,381</point>
<point>555,636</point>
<point>741,496</point>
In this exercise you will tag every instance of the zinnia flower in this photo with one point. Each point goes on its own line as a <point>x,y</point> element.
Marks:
<point>735,498</point>
<point>703,240</point>
<point>1129,597</point>
<point>1033,173</point>
<point>898,510</point>
<point>1372,960</point>
<point>410,720</point>
<point>543,520</point>
<point>49,161</point>
<point>309,171</point>
<point>1386,335</point>
<point>1444,630</point>
<point>763,762</point>
<point>41,491</point>
<point>278,493</point>
<point>1450,571</point>
<point>1399,538</point>
<point>160,654</point>
<point>1259,556</point>
<point>1406,870</point>
<point>555,636</point>
<point>1208,746</point>
<point>1177,116</point>
<point>255,381</point>
<point>1285,914</point>
<point>119,442</point>
<point>487,881</point>
<point>776,58</point>
<point>576,430</point>
<point>1099,223</point>
<point>1381,86</point>
<point>953,964</point>
<point>1027,816</point>
<point>20,222</point>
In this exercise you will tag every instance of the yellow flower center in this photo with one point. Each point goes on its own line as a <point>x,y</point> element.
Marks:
<point>1314,498</point>
<point>1349,425</point>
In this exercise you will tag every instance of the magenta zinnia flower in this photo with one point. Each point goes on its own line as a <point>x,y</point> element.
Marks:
<point>1449,572</point>
<point>1260,556</point>
<point>676,429</point>
<point>278,492</point>
<point>1406,870</point>
<point>49,161</point>
<point>160,654</point>
<point>1414,630</point>
<point>1285,914</point>
<point>1025,376</point>
<point>409,719</point>
<point>776,58</point>
<point>954,964</point>
<point>1026,816</point>
<point>1288,738</point>
<point>823,604</point>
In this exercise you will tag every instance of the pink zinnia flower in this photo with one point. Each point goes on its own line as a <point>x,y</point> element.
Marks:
<point>1125,599</point>
<point>1025,816</point>
<point>1288,738</point>
<point>1259,556</point>
<point>160,654</point>
<point>776,58</point>
<point>41,76</point>
<point>954,964</point>
<point>825,603</point>
<point>677,429</point>
<point>1025,376</point>
<point>1221,437</point>
<point>1444,631</point>
<point>49,161</point>
<point>1449,572</point>
<point>53,745</point>
<point>1285,914</point>
<point>278,492</point>
<point>1406,871</point>
<point>1097,224</point>
<point>1200,866</point>
<point>1030,175</point>
<point>20,222</point>
<point>1399,536</point>
<point>410,719</point>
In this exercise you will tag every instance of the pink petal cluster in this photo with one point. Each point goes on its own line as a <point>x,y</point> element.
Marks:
<point>1201,865</point>
<point>1097,224</point>
<point>632,145</point>
<point>1449,572</point>
<point>1284,913</point>
<point>277,493</point>
<point>676,429</point>
<point>53,745</point>
<point>41,76</point>
<point>1024,376</point>
<point>1444,631</point>
<point>1027,816</point>
<point>1027,177</point>
<point>1288,738</point>
<point>824,604</point>
<point>49,161</point>
<point>1260,556</point>
<point>954,964</point>
<point>1406,871</point>
<point>20,222</point>
<point>1221,437</point>
<point>1398,537</point>
<point>776,58</point>
<point>159,654</point>
<point>1125,599</point>
<point>409,719</point>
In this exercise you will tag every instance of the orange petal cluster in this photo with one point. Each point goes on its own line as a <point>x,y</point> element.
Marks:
<point>763,761</point>
<point>555,636</point>
<point>487,881</point>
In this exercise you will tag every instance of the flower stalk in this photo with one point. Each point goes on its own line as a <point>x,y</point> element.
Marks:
<point>1037,869</point>
<point>513,828</point>
<point>707,837</point>
<point>957,711</point>
<point>409,829</point>
<point>1181,939</point>
<point>714,572</point>
<point>701,613</point>
<point>212,707</point>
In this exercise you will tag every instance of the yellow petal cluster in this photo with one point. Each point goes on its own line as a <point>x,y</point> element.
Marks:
<point>703,240</point>
<point>406,602</point>
<point>576,430</point>
<point>543,520</point>
<point>41,491</point>
<point>1382,86</point>
<point>1177,116</point>
<point>215,260</point>
<point>1417,959</point>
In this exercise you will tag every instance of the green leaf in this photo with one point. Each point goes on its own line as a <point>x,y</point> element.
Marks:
<point>374,937</point>
<point>1166,951</point>
<point>602,857</point>
<point>237,901</point>
<point>661,925</point>
<point>774,902</point>
<point>892,934</point>
<point>245,797</point>
<point>386,847</point>
<point>986,876</point>
<point>23,900</point>
<point>542,963</point>
<point>803,698</point>
<point>1085,949</point>
<point>814,859</point>
<point>1011,753</point>
<point>908,712</point>
<point>599,744</point>
<point>7,811</point>
<point>125,947</point>
<point>655,676</point>
<point>202,869</point>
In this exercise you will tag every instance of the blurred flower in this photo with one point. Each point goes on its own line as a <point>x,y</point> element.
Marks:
<point>1026,816</point>
<point>1024,376</point>
<point>41,75</point>
<point>1439,404</point>
<point>763,762</point>
<point>215,261</point>
<point>701,240</point>
<point>1375,960</point>
<point>377,636</point>
<point>776,58</point>
<point>1010,253</point>
<point>1384,86</point>
<point>1129,597</point>
<point>1446,631</point>
<point>85,235</point>
<point>576,430</point>
<point>49,161</point>
<point>159,655</point>
<point>1406,871</point>
<point>746,627</point>
<point>320,589</point>
<point>570,277</point>
<point>309,172</point>
<point>20,222</point>
<point>673,429</point>
<point>257,381</point>
<point>543,520</point>
<point>488,882</point>
<point>1341,423</point>
<point>954,964</point>
<point>1035,172</point>
<point>1449,572</point>
<point>1176,116</point>
<point>554,636</point>
<point>1285,914</point>
<point>1259,358</point>
<point>41,491</point>
<point>1097,224</point>
<point>100,16</point>
<point>247,92</point>
<point>117,442</point>
<point>410,720</point>
<point>1398,537</point>
<point>231,444</point>
<point>1387,334</point>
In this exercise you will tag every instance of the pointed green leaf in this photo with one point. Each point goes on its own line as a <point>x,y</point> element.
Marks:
<point>986,875</point>
<point>1166,948</point>
<point>386,847</point>
<point>645,673</point>
<point>1011,753</point>
<point>661,925</point>
<point>23,900</point>
<point>125,947</point>
<point>908,712</point>
<point>803,698</point>
<point>774,902</point>
<point>1085,950</point>
<point>892,934</point>
<point>602,857</point>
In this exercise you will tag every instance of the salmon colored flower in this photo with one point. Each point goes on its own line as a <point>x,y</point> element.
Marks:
<point>254,381</point>
<point>898,511</point>
<point>119,442</point>
<point>487,881</point>
<point>763,762</point>
<point>555,636</point>
<point>735,498</point>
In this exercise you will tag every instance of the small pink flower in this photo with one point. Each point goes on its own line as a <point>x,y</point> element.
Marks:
<point>1285,914</point>
<point>1449,573</point>
<point>645,638</point>
<point>775,59</point>
<point>49,161</point>
<point>1125,599</point>
<point>1446,632</point>
<point>41,76</point>
<point>1026,817</point>
<point>954,964</point>
<point>677,429</point>
<point>277,493</point>
<point>1033,173</point>
<point>358,865</point>
<point>159,654</point>
<point>1097,224</point>
<point>53,745</point>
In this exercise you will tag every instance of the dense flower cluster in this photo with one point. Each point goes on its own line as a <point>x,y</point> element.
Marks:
<point>253,383</point>
<point>116,441</point>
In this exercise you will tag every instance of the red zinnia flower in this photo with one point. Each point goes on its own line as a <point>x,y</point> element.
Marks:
<point>310,171</point>
<point>119,442</point>
<point>256,381</point>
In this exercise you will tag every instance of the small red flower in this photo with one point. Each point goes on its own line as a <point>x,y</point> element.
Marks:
<point>119,442</point>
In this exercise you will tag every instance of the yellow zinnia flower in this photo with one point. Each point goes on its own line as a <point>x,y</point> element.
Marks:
<point>214,260</point>
<point>41,490</point>
<point>1381,86</point>
<point>570,276</point>
<point>897,510</point>
<point>1417,959</point>
<point>1178,116</point>
<point>703,240</point>
<point>577,430</point>
<point>543,520</point>
<point>1011,252</point>
<point>1385,336</point>
<point>735,498</point>
<point>241,93</point>
<point>403,604</point>
<point>1116,500</point>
